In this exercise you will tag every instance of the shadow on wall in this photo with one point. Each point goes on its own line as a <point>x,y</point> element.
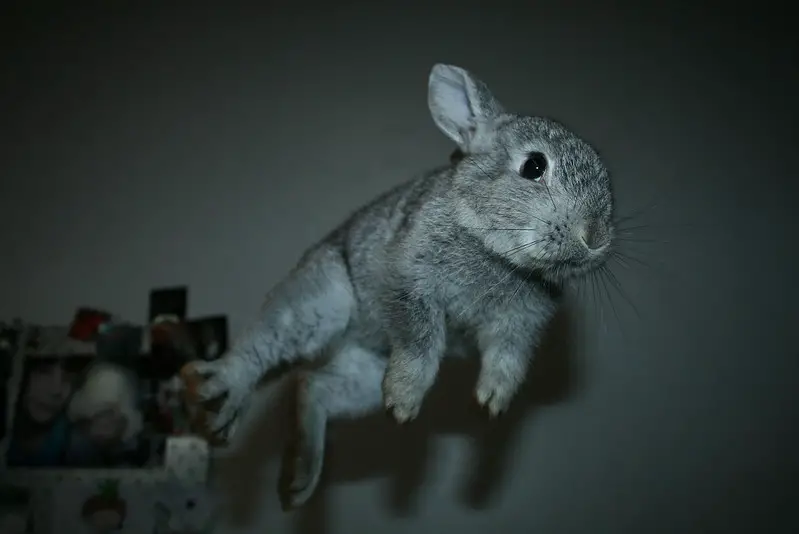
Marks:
<point>376,446</point>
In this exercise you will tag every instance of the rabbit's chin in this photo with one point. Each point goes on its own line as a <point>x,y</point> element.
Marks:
<point>561,271</point>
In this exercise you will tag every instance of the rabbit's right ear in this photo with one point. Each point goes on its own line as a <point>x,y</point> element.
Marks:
<point>461,105</point>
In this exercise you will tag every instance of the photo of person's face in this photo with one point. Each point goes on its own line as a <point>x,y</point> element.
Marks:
<point>48,389</point>
<point>107,426</point>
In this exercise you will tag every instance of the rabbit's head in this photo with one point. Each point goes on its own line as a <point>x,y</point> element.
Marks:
<point>530,189</point>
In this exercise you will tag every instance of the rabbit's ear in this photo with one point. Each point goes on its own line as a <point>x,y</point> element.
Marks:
<point>461,105</point>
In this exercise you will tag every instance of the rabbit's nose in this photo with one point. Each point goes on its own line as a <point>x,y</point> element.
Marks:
<point>594,235</point>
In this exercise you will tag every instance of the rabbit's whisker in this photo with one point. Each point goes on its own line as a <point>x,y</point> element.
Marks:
<point>637,240</point>
<point>510,273</point>
<point>522,247</point>
<point>502,229</point>
<point>614,281</point>
<point>628,257</point>
<point>620,260</point>
<point>598,307</point>
<point>633,215</point>
<point>627,229</point>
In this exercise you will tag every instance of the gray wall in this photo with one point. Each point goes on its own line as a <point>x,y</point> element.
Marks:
<point>210,147</point>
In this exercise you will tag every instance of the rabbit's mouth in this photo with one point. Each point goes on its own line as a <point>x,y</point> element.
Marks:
<point>573,267</point>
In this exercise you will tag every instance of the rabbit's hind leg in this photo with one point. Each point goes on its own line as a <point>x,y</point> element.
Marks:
<point>349,385</point>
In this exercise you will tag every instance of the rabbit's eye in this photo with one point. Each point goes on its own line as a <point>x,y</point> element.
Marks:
<point>190,504</point>
<point>535,166</point>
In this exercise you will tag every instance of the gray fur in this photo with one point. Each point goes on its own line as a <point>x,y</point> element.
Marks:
<point>467,253</point>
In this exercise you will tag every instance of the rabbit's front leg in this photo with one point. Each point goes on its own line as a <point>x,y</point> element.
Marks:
<point>506,349</point>
<point>418,338</point>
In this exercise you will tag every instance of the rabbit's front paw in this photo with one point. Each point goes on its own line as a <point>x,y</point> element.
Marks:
<point>225,378</point>
<point>404,386</point>
<point>495,390</point>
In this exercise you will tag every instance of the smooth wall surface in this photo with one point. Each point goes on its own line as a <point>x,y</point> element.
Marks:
<point>148,147</point>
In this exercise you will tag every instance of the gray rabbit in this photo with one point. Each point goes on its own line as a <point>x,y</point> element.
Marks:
<point>475,252</point>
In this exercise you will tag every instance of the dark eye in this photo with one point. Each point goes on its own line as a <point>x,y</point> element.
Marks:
<point>190,504</point>
<point>535,166</point>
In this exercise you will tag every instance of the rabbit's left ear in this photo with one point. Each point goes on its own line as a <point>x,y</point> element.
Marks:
<point>460,104</point>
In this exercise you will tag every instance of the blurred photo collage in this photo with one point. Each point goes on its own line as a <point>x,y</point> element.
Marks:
<point>100,392</point>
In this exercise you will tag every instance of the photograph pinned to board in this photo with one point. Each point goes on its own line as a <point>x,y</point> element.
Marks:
<point>168,304</point>
<point>169,346</point>
<point>104,394</point>
<point>87,396</point>
<point>76,404</point>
